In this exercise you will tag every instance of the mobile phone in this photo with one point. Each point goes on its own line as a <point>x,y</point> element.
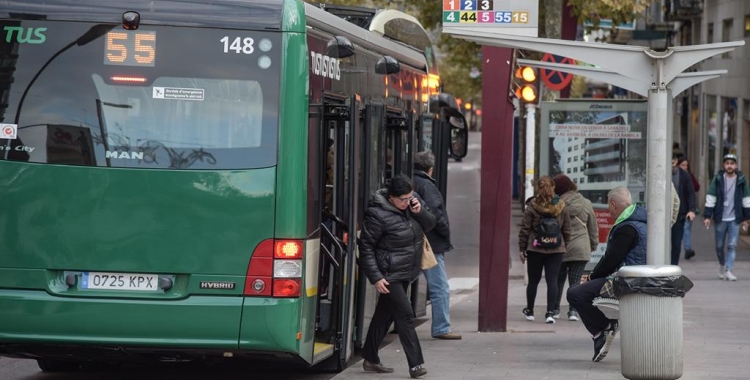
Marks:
<point>414,202</point>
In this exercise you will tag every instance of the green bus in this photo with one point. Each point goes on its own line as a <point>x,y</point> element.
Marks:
<point>185,180</point>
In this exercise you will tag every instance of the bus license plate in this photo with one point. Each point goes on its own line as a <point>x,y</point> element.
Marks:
<point>120,281</point>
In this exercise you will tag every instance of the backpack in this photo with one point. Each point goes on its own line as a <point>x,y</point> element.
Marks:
<point>548,233</point>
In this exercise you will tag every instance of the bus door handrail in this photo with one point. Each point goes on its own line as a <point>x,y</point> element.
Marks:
<point>336,241</point>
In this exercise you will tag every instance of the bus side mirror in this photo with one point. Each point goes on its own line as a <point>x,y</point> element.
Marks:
<point>339,47</point>
<point>387,65</point>
<point>459,136</point>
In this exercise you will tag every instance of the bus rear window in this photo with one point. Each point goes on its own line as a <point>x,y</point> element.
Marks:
<point>158,97</point>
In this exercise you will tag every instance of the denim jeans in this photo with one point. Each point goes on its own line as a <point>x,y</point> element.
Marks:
<point>677,230</point>
<point>722,229</point>
<point>440,296</point>
<point>687,232</point>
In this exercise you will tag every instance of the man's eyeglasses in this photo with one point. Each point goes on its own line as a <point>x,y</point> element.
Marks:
<point>405,199</point>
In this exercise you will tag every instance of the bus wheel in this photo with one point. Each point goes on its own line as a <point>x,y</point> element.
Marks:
<point>54,365</point>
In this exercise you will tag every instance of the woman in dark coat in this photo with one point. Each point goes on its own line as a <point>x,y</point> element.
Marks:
<point>544,204</point>
<point>390,255</point>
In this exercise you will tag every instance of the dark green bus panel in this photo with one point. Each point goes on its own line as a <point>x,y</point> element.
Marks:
<point>140,171</point>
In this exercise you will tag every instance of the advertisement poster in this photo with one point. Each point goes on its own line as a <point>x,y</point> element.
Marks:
<point>600,145</point>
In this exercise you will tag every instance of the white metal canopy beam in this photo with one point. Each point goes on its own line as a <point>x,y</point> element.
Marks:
<point>678,85</point>
<point>618,58</point>
<point>616,79</point>
<point>622,59</point>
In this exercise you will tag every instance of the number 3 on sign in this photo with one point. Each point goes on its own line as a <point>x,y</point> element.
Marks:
<point>239,45</point>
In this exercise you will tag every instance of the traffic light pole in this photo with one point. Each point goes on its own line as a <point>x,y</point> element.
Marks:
<point>657,75</point>
<point>530,150</point>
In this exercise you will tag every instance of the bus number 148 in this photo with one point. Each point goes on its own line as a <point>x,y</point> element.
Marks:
<point>239,45</point>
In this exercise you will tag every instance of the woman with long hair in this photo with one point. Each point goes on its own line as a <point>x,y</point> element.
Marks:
<point>544,216</point>
<point>584,239</point>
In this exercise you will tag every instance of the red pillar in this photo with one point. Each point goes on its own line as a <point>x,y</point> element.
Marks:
<point>496,192</point>
<point>569,29</point>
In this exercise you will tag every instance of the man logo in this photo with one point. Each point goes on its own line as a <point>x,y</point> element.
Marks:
<point>124,155</point>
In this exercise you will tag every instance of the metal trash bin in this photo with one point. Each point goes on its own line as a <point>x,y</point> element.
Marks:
<point>651,320</point>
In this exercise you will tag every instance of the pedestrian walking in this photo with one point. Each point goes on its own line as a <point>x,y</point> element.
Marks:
<point>626,245</point>
<point>684,164</point>
<point>440,241</point>
<point>728,204</point>
<point>390,249</point>
<point>584,238</point>
<point>686,192</point>
<point>545,230</point>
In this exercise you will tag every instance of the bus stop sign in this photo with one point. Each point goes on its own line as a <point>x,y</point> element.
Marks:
<point>556,80</point>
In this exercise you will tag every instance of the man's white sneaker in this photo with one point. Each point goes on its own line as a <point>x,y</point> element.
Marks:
<point>729,276</point>
<point>722,270</point>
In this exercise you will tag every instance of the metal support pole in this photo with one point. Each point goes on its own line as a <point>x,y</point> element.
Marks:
<point>530,160</point>
<point>658,185</point>
<point>530,149</point>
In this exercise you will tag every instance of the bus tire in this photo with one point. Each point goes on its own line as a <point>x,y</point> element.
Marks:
<point>54,365</point>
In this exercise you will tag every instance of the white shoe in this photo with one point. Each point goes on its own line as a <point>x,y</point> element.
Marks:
<point>729,276</point>
<point>722,270</point>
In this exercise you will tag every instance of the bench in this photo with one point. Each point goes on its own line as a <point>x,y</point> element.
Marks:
<point>609,306</point>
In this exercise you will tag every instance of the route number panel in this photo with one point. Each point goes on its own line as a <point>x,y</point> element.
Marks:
<point>517,16</point>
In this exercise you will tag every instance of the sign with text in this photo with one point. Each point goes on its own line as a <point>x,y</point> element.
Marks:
<point>599,145</point>
<point>515,17</point>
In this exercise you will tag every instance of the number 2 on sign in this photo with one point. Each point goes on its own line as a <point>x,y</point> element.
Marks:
<point>468,5</point>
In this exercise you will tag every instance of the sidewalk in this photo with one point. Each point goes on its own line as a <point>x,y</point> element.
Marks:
<point>716,337</point>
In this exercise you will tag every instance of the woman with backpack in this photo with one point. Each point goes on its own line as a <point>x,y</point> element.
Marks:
<point>541,240</point>
<point>584,239</point>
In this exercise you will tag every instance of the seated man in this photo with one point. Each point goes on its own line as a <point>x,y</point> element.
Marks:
<point>626,245</point>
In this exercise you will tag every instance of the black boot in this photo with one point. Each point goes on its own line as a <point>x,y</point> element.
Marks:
<point>689,253</point>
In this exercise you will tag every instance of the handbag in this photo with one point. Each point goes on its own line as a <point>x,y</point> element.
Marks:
<point>428,257</point>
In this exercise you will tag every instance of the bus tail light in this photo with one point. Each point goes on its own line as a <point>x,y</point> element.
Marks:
<point>287,268</point>
<point>288,249</point>
<point>127,79</point>
<point>275,269</point>
<point>287,287</point>
<point>259,279</point>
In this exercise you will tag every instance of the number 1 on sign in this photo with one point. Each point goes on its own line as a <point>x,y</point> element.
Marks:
<point>451,5</point>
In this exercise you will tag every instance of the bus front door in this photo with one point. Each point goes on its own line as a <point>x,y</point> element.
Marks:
<point>342,215</point>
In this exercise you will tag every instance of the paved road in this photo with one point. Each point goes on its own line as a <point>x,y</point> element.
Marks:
<point>18,369</point>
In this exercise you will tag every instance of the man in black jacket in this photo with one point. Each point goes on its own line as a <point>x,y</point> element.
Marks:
<point>440,240</point>
<point>685,189</point>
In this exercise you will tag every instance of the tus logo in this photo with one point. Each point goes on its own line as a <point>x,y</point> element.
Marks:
<point>25,35</point>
